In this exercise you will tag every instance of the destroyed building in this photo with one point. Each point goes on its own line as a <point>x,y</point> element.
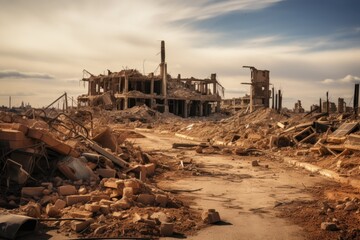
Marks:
<point>260,92</point>
<point>128,88</point>
<point>298,107</point>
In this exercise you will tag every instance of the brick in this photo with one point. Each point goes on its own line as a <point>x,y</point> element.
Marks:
<point>106,173</point>
<point>92,207</point>
<point>79,226</point>
<point>60,204</point>
<point>142,174</point>
<point>150,169</point>
<point>161,200</point>
<point>52,211</point>
<point>73,199</point>
<point>10,134</point>
<point>114,183</point>
<point>32,191</point>
<point>67,190</point>
<point>210,216</point>
<point>134,184</point>
<point>35,133</point>
<point>166,229</point>
<point>15,126</point>
<point>97,198</point>
<point>123,203</point>
<point>146,199</point>
<point>81,214</point>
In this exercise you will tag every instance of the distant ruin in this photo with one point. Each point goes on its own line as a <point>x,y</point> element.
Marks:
<point>127,88</point>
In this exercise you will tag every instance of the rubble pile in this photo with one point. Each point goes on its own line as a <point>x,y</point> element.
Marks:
<point>89,181</point>
<point>331,142</point>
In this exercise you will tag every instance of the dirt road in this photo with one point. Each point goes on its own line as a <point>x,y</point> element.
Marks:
<point>246,196</point>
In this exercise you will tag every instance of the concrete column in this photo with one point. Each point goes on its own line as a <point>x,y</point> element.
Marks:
<point>125,103</point>
<point>186,108</point>
<point>166,106</point>
<point>217,106</point>
<point>126,84</point>
<point>252,98</point>
<point>213,78</point>
<point>152,86</point>
<point>201,109</point>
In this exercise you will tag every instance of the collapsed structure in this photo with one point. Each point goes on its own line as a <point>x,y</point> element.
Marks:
<point>128,88</point>
<point>260,93</point>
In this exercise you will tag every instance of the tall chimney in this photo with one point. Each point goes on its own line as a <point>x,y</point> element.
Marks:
<point>162,54</point>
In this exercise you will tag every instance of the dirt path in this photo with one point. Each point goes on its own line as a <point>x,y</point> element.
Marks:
<point>245,196</point>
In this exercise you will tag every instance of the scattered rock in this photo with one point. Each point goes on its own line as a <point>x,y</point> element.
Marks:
<point>329,226</point>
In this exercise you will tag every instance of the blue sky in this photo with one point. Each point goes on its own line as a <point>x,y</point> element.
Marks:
<point>310,47</point>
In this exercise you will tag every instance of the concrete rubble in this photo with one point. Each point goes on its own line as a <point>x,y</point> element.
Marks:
<point>87,180</point>
<point>77,171</point>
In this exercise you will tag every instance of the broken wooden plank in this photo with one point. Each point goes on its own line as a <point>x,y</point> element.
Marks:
<point>345,152</point>
<point>184,145</point>
<point>328,149</point>
<point>345,129</point>
<point>353,139</point>
<point>280,125</point>
<point>352,147</point>
<point>308,137</point>
<point>337,140</point>
<point>299,126</point>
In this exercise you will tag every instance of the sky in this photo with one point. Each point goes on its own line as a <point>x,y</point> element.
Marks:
<point>309,46</point>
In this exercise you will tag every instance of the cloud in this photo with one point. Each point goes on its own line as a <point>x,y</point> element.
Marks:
<point>347,79</point>
<point>201,10</point>
<point>18,74</point>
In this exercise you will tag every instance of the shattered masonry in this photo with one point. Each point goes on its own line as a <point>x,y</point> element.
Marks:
<point>184,97</point>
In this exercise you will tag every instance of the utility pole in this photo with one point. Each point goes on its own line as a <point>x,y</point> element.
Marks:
<point>356,100</point>
<point>327,103</point>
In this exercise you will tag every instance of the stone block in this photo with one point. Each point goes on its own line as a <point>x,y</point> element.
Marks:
<point>60,204</point>
<point>166,229</point>
<point>67,190</point>
<point>79,226</point>
<point>81,214</point>
<point>114,183</point>
<point>52,211</point>
<point>98,198</point>
<point>11,135</point>
<point>106,173</point>
<point>146,199</point>
<point>32,191</point>
<point>210,216</point>
<point>106,202</point>
<point>161,200</point>
<point>123,203</point>
<point>92,207</point>
<point>73,199</point>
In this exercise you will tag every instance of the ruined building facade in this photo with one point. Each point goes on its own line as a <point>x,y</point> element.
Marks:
<point>128,88</point>
<point>260,92</point>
